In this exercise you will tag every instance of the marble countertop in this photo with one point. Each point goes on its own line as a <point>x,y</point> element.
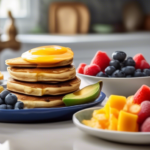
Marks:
<point>54,136</point>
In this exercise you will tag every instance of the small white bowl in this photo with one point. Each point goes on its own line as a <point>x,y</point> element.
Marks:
<point>117,86</point>
<point>115,136</point>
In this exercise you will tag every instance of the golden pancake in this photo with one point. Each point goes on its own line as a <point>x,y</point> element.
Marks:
<point>40,102</point>
<point>60,74</point>
<point>20,62</point>
<point>40,89</point>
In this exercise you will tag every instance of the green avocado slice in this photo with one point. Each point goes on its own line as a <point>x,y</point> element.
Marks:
<point>85,95</point>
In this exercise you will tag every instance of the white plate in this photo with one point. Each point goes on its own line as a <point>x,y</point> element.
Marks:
<point>116,136</point>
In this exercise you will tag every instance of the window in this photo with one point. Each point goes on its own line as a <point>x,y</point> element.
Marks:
<point>19,8</point>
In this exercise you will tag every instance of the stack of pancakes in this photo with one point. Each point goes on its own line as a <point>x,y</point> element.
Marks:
<point>39,85</point>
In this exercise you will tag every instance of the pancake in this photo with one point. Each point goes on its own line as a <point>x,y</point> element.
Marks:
<point>40,102</point>
<point>60,74</point>
<point>20,62</point>
<point>40,89</point>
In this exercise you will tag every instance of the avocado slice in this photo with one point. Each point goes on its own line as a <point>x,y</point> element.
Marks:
<point>85,95</point>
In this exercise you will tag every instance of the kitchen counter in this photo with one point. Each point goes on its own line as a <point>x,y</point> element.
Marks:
<point>55,136</point>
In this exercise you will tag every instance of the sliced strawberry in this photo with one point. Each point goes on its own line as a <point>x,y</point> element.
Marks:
<point>146,125</point>
<point>91,70</point>
<point>144,65</point>
<point>143,94</point>
<point>138,58</point>
<point>101,59</point>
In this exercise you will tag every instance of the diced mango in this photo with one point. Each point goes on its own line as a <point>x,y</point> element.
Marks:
<point>117,102</point>
<point>99,111</point>
<point>1,89</point>
<point>1,76</point>
<point>113,123</point>
<point>131,107</point>
<point>107,110</point>
<point>103,121</point>
<point>114,112</point>
<point>127,121</point>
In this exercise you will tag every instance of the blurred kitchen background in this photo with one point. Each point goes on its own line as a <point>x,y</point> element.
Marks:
<point>83,25</point>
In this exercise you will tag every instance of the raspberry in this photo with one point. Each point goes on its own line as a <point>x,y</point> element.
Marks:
<point>101,59</point>
<point>144,112</point>
<point>80,69</point>
<point>91,70</point>
<point>146,125</point>
<point>144,65</point>
<point>143,94</point>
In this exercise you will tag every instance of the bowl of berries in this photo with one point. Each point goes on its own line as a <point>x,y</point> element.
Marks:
<point>121,75</point>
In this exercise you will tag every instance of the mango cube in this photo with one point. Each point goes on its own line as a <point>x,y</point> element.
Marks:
<point>114,112</point>
<point>113,123</point>
<point>127,122</point>
<point>117,102</point>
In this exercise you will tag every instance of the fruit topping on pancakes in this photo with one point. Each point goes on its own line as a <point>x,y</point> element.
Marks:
<point>48,54</point>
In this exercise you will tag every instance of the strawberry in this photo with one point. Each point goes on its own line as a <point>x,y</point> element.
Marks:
<point>101,59</point>
<point>142,94</point>
<point>92,70</point>
<point>144,65</point>
<point>138,58</point>
<point>146,125</point>
<point>80,69</point>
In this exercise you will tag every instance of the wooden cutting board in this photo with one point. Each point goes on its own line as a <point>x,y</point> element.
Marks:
<point>68,18</point>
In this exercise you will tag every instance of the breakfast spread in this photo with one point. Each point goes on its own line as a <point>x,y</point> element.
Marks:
<point>130,114</point>
<point>42,76</point>
<point>117,67</point>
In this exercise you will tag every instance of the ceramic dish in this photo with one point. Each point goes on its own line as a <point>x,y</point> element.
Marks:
<point>115,136</point>
<point>117,86</point>
<point>45,114</point>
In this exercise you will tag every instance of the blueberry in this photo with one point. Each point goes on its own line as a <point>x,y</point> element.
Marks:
<point>4,93</point>
<point>138,74</point>
<point>138,70</point>
<point>119,55</point>
<point>130,62</point>
<point>146,72</point>
<point>3,106</point>
<point>101,74</point>
<point>11,99</point>
<point>122,64</point>
<point>115,63</point>
<point>1,101</point>
<point>129,70</point>
<point>9,107</point>
<point>118,73</point>
<point>109,70</point>
<point>123,69</point>
<point>129,76</point>
<point>19,105</point>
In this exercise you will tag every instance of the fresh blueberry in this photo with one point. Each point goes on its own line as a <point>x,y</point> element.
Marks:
<point>4,93</point>
<point>122,64</point>
<point>1,101</point>
<point>138,74</point>
<point>138,70</point>
<point>118,73</point>
<point>123,69</point>
<point>119,55</point>
<point>11,99</point>
<point>129,76</point>
<point>19,105</point>
<point>146,72</point>
<point>101,74</point>
<point>130,62</point>
<point>9,107</point>
<point>109,70</point>
<point>3,106</point>
<point>115,63</point>
<point>129,70</point>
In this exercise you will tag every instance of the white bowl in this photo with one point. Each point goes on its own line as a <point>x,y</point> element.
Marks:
<point>117,86</point>
<point>116,136</point>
